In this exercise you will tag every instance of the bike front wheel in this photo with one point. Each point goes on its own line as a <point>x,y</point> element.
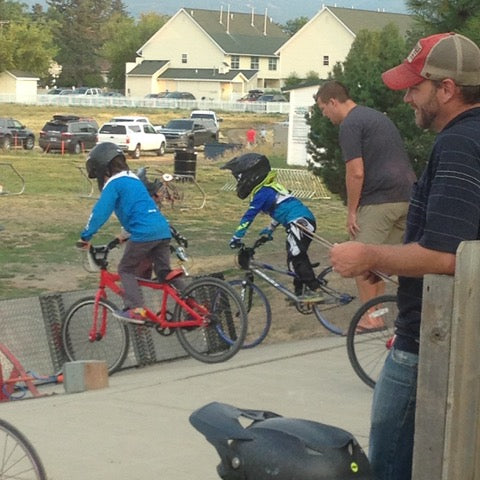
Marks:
<point>258,310</point>
<point>225,327</point>
<point>368,348</point>
<point>18,457</point>
<point>80,343</point>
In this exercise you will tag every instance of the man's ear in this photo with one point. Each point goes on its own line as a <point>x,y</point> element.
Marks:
<point>447,89</point>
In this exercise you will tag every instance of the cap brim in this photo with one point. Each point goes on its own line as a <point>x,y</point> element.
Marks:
<point>401,77</point>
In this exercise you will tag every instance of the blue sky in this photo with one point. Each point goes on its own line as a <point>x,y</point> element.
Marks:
<point>280,10</point>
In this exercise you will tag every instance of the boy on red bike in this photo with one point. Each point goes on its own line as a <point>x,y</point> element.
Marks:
<point>124,194</point>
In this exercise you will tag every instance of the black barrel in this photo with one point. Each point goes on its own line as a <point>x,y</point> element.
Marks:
<point>185,163</point>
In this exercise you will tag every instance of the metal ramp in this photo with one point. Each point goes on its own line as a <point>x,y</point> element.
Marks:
<point>11,182</point>
<point>301,183</point>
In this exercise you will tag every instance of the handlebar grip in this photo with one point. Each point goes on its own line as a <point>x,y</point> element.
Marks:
<point>113,243</point>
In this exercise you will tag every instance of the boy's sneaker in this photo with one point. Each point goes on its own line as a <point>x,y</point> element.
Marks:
<point>311,296</point>
<point>133,315</point>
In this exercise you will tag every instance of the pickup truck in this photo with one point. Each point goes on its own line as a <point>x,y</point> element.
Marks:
<point>13,133</point>
<point>189,133</point>
<point>133,137</point>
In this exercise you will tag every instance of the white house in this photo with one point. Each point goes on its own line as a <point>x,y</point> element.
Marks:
<point>20,87</point>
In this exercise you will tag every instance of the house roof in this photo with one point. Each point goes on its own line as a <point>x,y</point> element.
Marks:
<point>357,20</point>
<point>148,67</point>
<point>206,74</point>
<point>20,74</point>
<point>240,33</point>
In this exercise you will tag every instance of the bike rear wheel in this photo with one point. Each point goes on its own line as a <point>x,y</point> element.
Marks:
<point>368,349</point>
<point>258,310</point>
<point>18,457</point>
<point>226,322</point>
<point>336,294</point>
<point>112,348</point>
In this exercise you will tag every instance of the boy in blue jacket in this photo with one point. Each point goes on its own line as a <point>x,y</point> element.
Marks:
<point>124,194</point>
<point>255,178</point>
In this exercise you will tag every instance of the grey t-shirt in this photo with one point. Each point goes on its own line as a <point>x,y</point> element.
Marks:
<point>388,175</point>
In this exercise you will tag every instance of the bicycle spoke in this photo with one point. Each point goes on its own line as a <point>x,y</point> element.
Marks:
<point>225,323</point>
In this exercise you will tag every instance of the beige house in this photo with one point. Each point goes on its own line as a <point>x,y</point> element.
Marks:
<point>17,86</point>
<point>218,55</point>
<point>326,39</point>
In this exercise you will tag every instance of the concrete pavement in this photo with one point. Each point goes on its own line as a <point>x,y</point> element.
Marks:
<point>138,427</point>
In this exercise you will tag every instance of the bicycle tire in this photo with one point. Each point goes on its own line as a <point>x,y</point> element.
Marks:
<point>336,324</point>
<point>18,457</point>
<point>112,348</point>
<point>223,335</point>
<point>367,350</point>
<point>258,310</point>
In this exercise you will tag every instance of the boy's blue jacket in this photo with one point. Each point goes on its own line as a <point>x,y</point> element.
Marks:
<point>283,207</point>
<point>125,195</point>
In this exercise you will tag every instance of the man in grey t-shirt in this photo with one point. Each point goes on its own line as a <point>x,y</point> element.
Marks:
<point>378,179</point>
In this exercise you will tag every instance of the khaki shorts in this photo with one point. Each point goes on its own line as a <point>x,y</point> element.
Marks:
<point>382,223</point>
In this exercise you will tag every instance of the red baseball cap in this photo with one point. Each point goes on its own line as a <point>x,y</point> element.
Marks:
<point>439,56</point>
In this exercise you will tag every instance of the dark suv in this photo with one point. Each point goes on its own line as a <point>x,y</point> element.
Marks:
<point>13,133</point>
<point>68,133</point>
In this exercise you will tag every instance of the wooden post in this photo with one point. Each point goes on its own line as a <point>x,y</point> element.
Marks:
<point>447,426</point>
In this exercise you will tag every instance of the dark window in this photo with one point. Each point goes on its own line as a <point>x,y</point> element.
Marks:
<point>235,62</point>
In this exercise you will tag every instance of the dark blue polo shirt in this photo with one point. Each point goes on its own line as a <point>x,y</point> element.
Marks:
<point>444,211</point>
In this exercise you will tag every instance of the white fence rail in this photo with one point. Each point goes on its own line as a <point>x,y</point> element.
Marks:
<point>138,102</point>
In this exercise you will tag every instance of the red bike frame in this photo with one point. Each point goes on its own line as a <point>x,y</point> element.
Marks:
<point>108,280</point>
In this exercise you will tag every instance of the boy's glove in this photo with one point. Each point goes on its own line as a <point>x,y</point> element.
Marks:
<point>235,242</point>
<point>267,232</point>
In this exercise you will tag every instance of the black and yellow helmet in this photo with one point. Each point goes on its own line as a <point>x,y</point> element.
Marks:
<point>249,170</point>
<point>276,448</point>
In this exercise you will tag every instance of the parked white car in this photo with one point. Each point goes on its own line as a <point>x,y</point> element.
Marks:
<point>208,114</point>
<point>128,118</point>
<point>133,137</point>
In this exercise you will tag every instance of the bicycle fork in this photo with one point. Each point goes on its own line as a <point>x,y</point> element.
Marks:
<point>99,327</point>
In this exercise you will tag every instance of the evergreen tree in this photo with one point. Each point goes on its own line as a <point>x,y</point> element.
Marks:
<point>80,33</point>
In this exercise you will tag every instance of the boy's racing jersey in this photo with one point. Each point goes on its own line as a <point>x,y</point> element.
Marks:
<point>275,201</point>
<point>125,195</point>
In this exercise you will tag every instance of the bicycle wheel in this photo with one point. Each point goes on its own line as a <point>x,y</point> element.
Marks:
<point>337,293</point>
<point>18,457</point>
<point>111,348</point>
<point>258,310</point>
<point>367,349</point>
<point>226,322</point>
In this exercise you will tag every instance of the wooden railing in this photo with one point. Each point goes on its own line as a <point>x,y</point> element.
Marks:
<point>447,427</point>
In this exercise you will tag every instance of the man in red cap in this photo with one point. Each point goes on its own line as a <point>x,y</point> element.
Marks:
<point>442,81</point>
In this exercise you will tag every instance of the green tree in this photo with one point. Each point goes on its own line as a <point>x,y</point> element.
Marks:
<point>125,37</point>
<point>371,54</point>
<point>79,31</point>
<point>435,16</point>
<point>33,47</point>
<point>26,42</point>
<point>293,26</point>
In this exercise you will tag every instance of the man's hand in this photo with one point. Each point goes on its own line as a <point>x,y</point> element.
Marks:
<point>235,242</point>
<point>350,259</point>
<point>82,244</point>
<point>352,225</point>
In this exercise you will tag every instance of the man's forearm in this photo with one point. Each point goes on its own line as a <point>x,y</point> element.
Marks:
<point>351,259</point>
